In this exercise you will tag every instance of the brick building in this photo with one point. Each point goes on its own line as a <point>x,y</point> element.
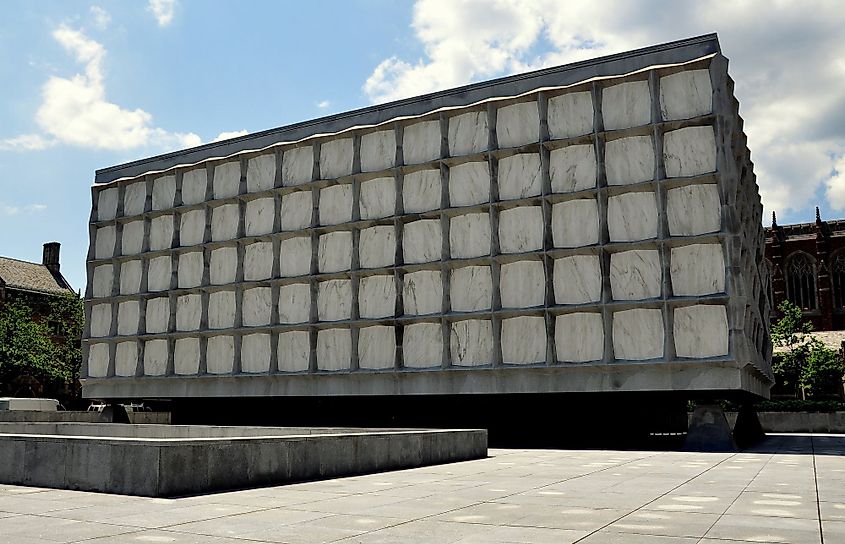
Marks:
<point>807,264</point>
<point>33,283</point>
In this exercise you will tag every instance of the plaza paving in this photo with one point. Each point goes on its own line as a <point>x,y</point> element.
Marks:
<point>791,488</point>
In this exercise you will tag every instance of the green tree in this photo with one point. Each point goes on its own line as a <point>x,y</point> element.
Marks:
<point>807,366</point>
<point>47,350</point>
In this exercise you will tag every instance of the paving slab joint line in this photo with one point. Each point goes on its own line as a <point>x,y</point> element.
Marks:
<point>816,483</point>
<point>501,497</point>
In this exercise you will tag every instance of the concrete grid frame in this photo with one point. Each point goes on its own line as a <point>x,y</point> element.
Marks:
<point>601,235</point>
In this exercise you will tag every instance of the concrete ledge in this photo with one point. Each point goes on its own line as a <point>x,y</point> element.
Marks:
<point>798,422</point>
<point>163,461</point>
<point>23,416</point>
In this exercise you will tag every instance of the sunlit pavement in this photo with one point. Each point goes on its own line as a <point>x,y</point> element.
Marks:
<point>791,488</point>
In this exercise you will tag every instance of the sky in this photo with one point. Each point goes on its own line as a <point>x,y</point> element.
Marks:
<point>87,85</point>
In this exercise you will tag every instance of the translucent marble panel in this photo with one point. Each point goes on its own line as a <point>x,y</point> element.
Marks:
<point>295,256</point>
<point>570,115</point>
<point>101,285</point>
<point>572,168</point>
<point>134,198</point>
<point>294,303</point>
<point>422,241</point>
<point>220,355</point>
<point>155,357</point>
<point>579,337</point>
<point>635,275</point>
<point>377,246</point>
<point>336,158</point>
<point>261,173</point>
<point>161,232</point>
<point>188,312</point>
<point>422,345</point>
<point>469,235</point>
<point>227,179</point>
<point>334,349</point>
<point>158,315</point>
<point>258,216</point>
<point>190,269</point>
<point>524,340</point>
<point>632,216</point>
<point>194,186</point>
<point>107,204</point>
<point>629,160</point>
<point>223,267</point>
<point>697,269</point>
<point>258,261</point>
<point>257,307</point>
<point>421,191</point>
<point>378,198</point>
<point>130,277</point>
<point>159,273</point>
<point>517,124</point>
<point>98,360</point>
<point>132,238</point>
<point>701,331</point>
<point>335,252</point>
<point>471,342</point>
<point>689,151</point>
<point>471,289</point>
<point>521,229</point>
<point>294,351</point>
<point>376,347</point>
<point>377,296</point>
<point>225,222</point>
<point>422,292</point>
<point>469,184</point>
<point>378,150</point>
<point>297,165</point>
<point>686,94</point>
<point>164,192</point>
<point>626,105</point>
<point>101,320</point>
<point>104,243</point>
<point>638,334</point>
<point>468,133</point>
<point>255,353</point>
<point>522,284</point>
<point>694,209</point>
<point>126,359</point>
<point>334,300</point>
<point>520,176</point>
<point>336,204</point>
<point>221,310</point>
<point>296,210</point>
<point>577,279</point>
<point>186,356</point>
<point>192,228</point>
<point>575,223</point>
<point>421,142</point>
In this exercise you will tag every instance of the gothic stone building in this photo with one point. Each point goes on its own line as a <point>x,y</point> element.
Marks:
<point>807,263</point>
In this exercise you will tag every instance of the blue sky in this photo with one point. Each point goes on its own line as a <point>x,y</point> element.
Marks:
<point>88,85</point>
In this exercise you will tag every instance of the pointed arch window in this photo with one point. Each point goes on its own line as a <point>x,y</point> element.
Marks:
<point>801,281</point>
<point>837,278</point>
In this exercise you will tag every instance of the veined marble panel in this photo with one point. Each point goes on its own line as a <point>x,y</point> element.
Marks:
<point>524,340</point>
<point>689,151</point>
<point>334,349</point>
<point>697,269</point>
<point>107,204</point>
<point>377,296</point>
<point>522,284</point>
<point>225,221</point>
<point>130,277</point>
<point>422,292</point>
<point>104,243</point>
<point>577,279</point>
<point>295,256</point>
<point>686,94</point>
<point>294,303</point>
<point>520,176</point>
<point>224,265</point>
<point>334,252</point>
<point>257,307</point>
<point>159,273</point>
<point>471,342</point>
<point>126,359</point>
<point>570,115</point>
<point>376,347</point>
<point>635,275</point>
<point>469,184</point>
<point>629,160</point>
<point>194,186</point>
<point>572,168</point>
<point>521,229</point>
<point>101,320</point>
<point>134,198</point>
<point>422,241</point>
<point>694,209</point>
<point>294,351</point>
<point>227,179</point>
<point>334,300</point>
<point>186,356</point>
<point>378,150</point>
<point>161,232</point>
<point>518,124</point>
<point>468,133</point>
<point>336,204</point>
<point>296,210</point>
<point>128,316</point>
<point>255,353</point>
<point>190,269</point>
<point>421,191</point>
<point>164,192</point>
<point>377,246</point>
<point>258,261</point>
<point>422,345</point>
<point>133,238</point>
<point>378,198</point>
<point>297,165</point>
<point>421,142</point>
<point>220,355</point>
<point>575,223</point>
<point>336,158</point>
<point>155,357</point>
<point>701,331</point>
<point>261,173</point>
<point>626,105</point>
<point>192,228</point>
<point>221,310</point>
<point>471,288</point>
<point>469,235</point>
<point>103,281</point>
<point>579,337</point>
<point>188,312</point>
<point>259,215</point>
<point>158,315</point>
<point>632,216</point>
<point>638,334</point>
<point>98,360</point>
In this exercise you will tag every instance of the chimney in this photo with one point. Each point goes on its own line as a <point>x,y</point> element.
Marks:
<point>51,256</point>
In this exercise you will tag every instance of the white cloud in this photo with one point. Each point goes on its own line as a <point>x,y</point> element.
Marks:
<point>232,134</point>
<point>786,61</point>
<point>75,110</point>
<point>323,104</point>
<point>100,17</point>
<point>162,10</point>
<point>26,142</point>
<point>9,209</point>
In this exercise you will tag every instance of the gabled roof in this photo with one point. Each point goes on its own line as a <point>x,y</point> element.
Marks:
<point>15,274</point>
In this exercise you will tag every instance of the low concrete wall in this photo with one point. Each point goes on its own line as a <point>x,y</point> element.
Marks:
<point>797,422</point>
<point>162,467</point>
<point>12,416</point>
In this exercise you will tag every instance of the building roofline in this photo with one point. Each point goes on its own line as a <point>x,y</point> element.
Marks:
<point>610,65</point>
